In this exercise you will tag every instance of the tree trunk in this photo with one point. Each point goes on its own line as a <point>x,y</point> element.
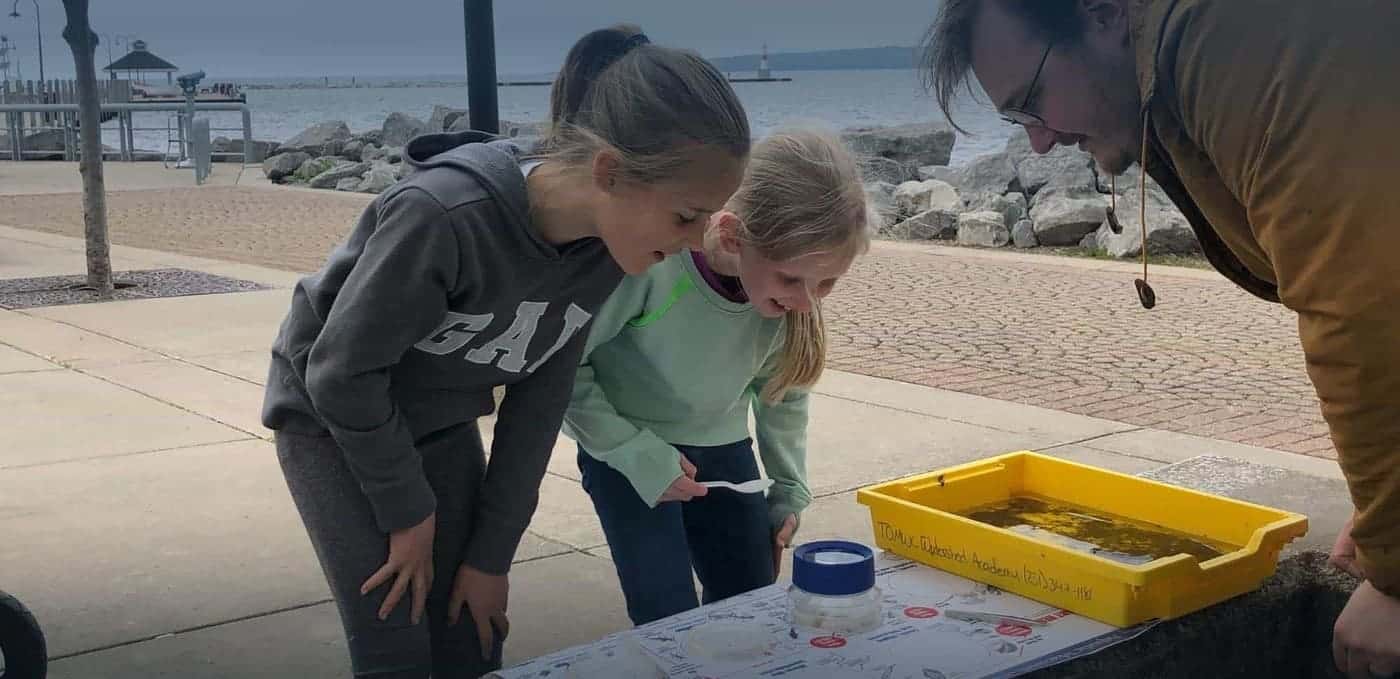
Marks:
<point>83,41</point>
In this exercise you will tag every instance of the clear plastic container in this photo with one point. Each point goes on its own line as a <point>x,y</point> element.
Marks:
<point>833,589</point>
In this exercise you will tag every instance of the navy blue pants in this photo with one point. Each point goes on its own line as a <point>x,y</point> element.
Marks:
<point>724,538</point>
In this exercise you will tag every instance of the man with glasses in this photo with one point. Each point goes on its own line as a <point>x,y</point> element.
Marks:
<point>1271,125</point>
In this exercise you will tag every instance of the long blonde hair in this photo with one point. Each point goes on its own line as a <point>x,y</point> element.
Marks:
<point>802,194</point>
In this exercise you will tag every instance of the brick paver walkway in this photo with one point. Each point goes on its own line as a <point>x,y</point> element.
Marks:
<point>1209,360</point>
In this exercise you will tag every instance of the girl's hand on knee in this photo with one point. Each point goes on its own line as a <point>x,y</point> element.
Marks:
<point>684,489</point>
<point>485,597</point>
<point>410,564</point>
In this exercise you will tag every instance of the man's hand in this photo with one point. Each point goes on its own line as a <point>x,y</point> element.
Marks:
<point>485,596</point>
<point>1344,552</point>
<point>782,539</point>
<point>1366,639</point>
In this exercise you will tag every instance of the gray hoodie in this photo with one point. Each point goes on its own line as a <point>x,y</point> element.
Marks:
<point>441,292</point>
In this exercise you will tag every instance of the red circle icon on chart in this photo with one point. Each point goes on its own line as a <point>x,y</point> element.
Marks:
<point>1011,629</point>
<point>828,642</point>
<point>921,612</point>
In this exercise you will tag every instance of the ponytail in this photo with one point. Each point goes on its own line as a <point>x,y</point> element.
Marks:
<point>654,107</point>
<point>803,356</point>
<point>587,59</point>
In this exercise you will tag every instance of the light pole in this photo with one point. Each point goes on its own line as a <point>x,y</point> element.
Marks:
<point>483,109</point>
<point>39,29</point>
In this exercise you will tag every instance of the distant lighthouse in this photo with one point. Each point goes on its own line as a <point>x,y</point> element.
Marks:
<point>763,70</point>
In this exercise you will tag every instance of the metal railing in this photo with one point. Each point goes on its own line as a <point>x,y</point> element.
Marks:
<point>67,120</point>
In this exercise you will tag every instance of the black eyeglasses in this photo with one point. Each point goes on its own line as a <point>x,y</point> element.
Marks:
<point>1022,115</point>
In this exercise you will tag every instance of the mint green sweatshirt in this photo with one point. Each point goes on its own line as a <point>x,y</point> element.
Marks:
<point>670,361</point>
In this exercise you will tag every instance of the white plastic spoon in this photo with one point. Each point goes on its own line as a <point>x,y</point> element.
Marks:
<point>754,486</point>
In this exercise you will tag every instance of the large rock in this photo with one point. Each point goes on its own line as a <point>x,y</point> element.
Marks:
<point>1126,184</point>
<point>507,128</point>
<point>443,117</point>
<point>1011,206</point>
<point>1018,146</point>
<point>930,225</point>
<point>1067,191</point>
<point>321,139</point>
<point>371,153</point>
<point>313,167</point>
<point>879,196</point>
<point>258,150</point>
<point>387,154</point>
<point>1023,234</point>
<point>1063,166</point>
<point>1064,217</point>
<point>538,128</point>
<point>348,184</point>
<point>331,178</point>
<point>877,169</point>
<point>284,165</point>
<point>913,146</point>
<point>370,137</point>
<point>378,179</point>
<point>993,173</point>
<point>401,127</point>
<point>1168,232</point>
<point>354,150</point>
<point>987,229</point>
<point>912,198</point>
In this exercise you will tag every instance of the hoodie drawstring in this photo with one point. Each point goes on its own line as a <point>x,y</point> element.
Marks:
<point>1146,294</point>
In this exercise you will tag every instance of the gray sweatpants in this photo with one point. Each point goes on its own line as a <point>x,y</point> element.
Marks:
<point>351,547</point>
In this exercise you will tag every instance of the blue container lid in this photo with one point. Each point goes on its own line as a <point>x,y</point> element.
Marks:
<point>833,568</point>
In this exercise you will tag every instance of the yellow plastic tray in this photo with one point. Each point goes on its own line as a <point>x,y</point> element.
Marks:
<point>916,517</point>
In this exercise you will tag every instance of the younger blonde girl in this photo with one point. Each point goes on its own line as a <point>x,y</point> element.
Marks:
<point>679,355</point>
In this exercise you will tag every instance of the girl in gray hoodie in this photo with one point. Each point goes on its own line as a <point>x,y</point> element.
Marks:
<point>483,268</point>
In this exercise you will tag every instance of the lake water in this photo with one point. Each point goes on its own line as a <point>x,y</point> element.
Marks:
<point>835,98</point>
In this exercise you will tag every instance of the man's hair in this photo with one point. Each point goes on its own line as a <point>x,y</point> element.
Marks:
<point>947,47</point>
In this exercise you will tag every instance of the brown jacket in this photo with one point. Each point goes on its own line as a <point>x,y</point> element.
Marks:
<point>1275,128</point>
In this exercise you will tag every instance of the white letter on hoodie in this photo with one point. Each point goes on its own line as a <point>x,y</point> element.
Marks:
<point>513,343</point>
<point>574,318</point>
<point>454,333</point>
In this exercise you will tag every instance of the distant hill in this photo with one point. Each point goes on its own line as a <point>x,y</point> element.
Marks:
<point>869,58</point>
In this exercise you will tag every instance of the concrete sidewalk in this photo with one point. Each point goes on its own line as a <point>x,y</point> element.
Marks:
<point>53,177</point>
<point>149,528</point>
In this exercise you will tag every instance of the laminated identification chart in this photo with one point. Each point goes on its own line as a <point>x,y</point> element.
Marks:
<point>935,626</point>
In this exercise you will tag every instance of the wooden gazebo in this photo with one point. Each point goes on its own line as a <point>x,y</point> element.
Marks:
<point>141,61</point>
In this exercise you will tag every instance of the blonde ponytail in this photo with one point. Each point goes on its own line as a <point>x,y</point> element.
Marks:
<point>803,355</point>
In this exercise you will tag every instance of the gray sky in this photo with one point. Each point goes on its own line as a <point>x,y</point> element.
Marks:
<point>239,38</point>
